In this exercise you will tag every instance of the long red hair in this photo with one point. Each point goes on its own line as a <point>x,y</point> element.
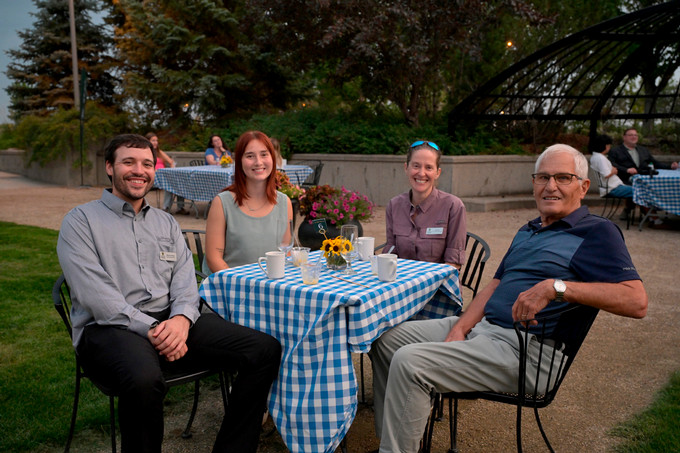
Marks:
<point>239,185</point>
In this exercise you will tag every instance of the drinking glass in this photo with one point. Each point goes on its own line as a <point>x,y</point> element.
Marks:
<point>351,233</point>
<point>285,246</point>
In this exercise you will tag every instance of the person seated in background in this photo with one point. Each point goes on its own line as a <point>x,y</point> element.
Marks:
<point>215,150</point>
<point>277,149</point>
<point>565,256</point>
<point>629,158</point>
<point>165,161</point>
<point>136,309</point>
<point>250,217</point>
<point>425,223</point>
<point>600,146</point>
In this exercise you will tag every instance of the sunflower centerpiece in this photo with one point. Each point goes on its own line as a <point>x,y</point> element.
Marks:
<point>226,160</point>
<point>332,251</point>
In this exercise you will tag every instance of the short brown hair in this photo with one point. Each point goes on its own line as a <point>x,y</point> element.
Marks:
<point>129,140</point>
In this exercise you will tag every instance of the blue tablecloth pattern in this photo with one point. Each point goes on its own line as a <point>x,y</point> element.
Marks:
<point>314,399</point>
<point>662,191</point>
<point>204,182</point>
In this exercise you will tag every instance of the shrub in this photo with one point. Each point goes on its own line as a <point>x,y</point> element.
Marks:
<point>48,138</point>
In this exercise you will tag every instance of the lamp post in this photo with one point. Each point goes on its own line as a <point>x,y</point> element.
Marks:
<point>74,53</point>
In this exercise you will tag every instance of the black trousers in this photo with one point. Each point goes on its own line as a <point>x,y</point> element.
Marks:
<point>128,363</point>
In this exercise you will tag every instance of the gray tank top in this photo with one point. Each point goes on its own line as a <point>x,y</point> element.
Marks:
<point>248,238</point>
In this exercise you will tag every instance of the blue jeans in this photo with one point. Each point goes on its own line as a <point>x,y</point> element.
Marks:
<point>622,191</point>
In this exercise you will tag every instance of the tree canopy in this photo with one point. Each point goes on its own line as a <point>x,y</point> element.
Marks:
<point>195,61</point>
<point>173,63</point>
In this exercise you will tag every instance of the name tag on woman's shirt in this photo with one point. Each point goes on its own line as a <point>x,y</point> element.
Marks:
<point>432,230</point>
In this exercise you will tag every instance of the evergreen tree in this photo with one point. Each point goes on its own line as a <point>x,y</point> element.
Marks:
<point>41,70</point>
<point>195,61</point>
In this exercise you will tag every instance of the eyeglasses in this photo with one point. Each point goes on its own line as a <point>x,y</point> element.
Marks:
<point>425,142</point>
<point>560,178</point>
<point>631,135</point>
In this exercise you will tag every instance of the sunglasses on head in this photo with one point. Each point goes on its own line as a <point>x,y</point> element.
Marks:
<point>425,142</point>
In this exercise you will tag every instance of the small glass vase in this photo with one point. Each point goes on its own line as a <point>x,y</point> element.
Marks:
<point>335,262</point>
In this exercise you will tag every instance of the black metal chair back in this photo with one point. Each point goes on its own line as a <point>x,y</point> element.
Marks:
<point>611,203</point>
<point>61,298</point>
<point>196,162</point>
<point>194,237</point>
<point>313,179</point>
<point>573,325</point>
<point>478,253</point>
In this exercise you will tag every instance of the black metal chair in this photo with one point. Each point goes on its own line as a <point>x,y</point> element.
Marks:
<point>611,202</point>
<point>62,303</point>
<point>196,162</point>
<point>313,179</point>
<point>572,327</point>
<point>478,253</point>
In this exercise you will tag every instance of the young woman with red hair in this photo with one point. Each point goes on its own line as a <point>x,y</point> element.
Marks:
<point>250,217</point>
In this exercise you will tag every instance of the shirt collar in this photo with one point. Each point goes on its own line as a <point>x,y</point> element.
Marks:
<point>120,206</point>
<point>571,219</point>
<point>428,202</point>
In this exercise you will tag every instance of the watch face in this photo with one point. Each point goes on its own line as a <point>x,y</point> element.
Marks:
<point>560,286</point>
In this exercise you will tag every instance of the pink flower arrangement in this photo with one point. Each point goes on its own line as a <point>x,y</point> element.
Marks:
<point>337,206</point>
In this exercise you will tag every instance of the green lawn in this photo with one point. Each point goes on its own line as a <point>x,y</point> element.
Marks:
<point>657,429</point>
<point>37,364</point>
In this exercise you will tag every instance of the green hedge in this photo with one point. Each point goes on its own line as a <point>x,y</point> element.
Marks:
<point>309,130</point>
<point>314,130</point>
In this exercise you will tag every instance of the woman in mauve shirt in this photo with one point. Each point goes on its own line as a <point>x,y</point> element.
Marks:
<point>425,223</point>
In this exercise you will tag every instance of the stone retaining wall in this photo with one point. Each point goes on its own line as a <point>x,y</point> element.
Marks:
<point>380,177</point>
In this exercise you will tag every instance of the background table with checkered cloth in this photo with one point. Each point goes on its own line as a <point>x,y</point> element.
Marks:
<point>661,191</point>
<point>314,399</point>
<point>203,183</point>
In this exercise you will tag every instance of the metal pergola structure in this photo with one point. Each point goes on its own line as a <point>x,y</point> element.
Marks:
<point>598,74</point>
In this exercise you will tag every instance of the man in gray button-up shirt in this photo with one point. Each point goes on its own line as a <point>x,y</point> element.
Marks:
<point>136,309</point>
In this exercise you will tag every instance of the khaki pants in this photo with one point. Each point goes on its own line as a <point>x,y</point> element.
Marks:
<point>412,362</point>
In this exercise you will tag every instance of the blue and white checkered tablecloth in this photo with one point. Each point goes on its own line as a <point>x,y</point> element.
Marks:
<point>314,399</point>
<point>204,182</point>
<point>662,191</point>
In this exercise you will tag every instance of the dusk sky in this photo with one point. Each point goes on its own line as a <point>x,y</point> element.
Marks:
<point>14,16</point>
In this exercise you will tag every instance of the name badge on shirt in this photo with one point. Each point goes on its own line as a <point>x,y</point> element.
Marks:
<point>431,230</point>
<point>168,256</point>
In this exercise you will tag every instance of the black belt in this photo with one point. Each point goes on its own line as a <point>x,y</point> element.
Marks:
<point>551,343</point>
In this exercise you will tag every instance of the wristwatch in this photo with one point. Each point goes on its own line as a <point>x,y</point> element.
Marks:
<point>560,288</point>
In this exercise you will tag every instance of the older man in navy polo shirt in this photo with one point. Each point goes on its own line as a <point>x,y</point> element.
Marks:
<point>565,256</point>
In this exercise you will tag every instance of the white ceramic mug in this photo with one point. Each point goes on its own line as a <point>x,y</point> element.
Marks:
<point>365,245</point>
<point>276,264</point>
<point>387,267</point>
